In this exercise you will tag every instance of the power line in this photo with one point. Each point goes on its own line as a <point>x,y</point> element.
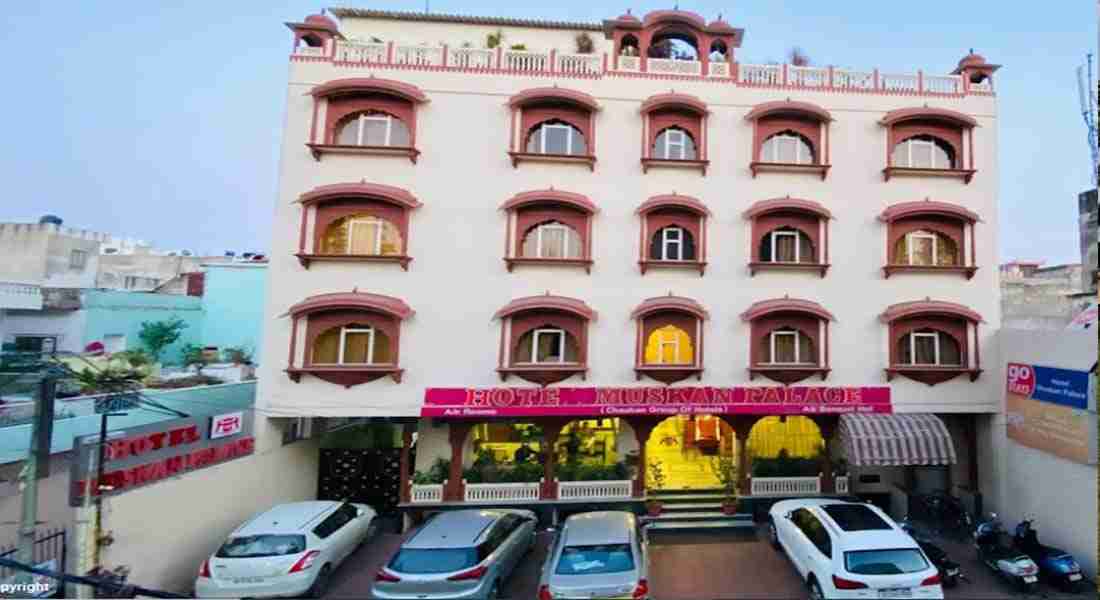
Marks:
<point>114,588</point>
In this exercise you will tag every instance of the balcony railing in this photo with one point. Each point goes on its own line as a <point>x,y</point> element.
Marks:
<point>20,296</point>
<point>426,493</point>
<point>537,62</point>
<point>785,486</point>
<point>501,492</point>
<point>594,490</point>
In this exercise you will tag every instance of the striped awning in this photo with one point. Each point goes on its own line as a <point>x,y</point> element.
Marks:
<point>874,440</point>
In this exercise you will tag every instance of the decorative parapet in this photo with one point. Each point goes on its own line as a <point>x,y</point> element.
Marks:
<point>20,296</point>
<point>553,63</point>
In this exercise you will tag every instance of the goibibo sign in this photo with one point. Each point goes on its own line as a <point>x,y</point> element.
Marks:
<point>140,456</point>
<point>1047,408</point>
<point>615,401</point>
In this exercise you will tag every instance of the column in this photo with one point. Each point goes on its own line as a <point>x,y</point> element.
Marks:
<point>742,425</point>
<point>642,428</point>
<point>457,434</point>
<point>827,426</point>
<point>551,429</point>
<point>406,445</point>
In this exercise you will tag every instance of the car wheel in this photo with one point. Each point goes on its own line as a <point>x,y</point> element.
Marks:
<point>815,591</point>
<point>773,535</point>
<point>320,585</point>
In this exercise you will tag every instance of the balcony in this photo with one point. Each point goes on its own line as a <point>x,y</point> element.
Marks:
<point>598,65</point>
<point>20,296</point>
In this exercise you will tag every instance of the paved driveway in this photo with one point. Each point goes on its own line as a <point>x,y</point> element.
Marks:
<point>690,567</point>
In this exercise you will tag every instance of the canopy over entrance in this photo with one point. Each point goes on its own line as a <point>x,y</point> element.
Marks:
<point>872,440</point>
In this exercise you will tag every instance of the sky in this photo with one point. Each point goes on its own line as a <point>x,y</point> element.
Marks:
<point>162,120</point>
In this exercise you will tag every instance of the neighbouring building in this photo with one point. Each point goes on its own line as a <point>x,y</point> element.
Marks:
<point>518,248</point>
<point>1038,297</point>
<point>1047,441</point>
<point>1089,221</point>
<point>234,298</point>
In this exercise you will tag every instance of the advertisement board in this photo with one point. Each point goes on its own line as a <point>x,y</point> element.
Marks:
<point>143,455</point>
<point>593,402</point>
<point>1047,408</point>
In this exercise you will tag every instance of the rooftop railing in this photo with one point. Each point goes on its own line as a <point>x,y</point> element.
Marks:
<point>534,62</point>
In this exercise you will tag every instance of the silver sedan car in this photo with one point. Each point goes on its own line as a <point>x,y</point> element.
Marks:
<point>596,555</point>
<point>461,554</point>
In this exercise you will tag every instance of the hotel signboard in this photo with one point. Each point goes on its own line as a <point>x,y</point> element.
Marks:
<point>1048,409</point>
<point>623,401</point>
<point>142,455</point>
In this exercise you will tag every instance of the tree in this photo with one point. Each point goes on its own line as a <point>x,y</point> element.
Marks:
<point>158,335</point>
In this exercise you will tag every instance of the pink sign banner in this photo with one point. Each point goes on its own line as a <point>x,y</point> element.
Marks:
<point>597,402</point>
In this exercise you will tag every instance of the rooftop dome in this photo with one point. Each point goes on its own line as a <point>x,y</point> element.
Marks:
<point>719,24</point>
<point>322,21</point>
<point>628,17</point>
<point>972,59</point>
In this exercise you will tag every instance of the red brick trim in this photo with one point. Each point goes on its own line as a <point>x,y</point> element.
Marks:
<point>552,95</point>
<point>526,314</point>
<point>370,85</point>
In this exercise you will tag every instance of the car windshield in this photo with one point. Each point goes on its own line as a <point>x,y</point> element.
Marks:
<point>595,560</point>
<point>253,546</point>
<point>433,560</point>
<point>885,562</point>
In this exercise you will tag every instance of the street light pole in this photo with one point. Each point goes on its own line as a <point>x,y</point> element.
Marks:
<point>101,459</point>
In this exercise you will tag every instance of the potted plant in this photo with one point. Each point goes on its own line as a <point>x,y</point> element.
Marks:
<point>656,483</point>
<point>725,469</point>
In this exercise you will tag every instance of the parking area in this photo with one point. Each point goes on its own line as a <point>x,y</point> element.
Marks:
<point>693,566</point>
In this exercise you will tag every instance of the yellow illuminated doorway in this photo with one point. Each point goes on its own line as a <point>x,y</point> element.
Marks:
<point>684,447</point>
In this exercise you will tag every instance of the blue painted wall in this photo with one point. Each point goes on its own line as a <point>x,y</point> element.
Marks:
<point>122,313</point>
<point>233,301</point>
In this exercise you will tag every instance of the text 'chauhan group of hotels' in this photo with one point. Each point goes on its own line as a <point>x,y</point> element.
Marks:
<point>574,250</point>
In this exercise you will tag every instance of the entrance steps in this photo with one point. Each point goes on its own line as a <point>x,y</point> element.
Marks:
<point>694,510</point>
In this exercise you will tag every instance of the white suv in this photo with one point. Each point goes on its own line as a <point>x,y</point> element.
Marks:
<point>851,550</point>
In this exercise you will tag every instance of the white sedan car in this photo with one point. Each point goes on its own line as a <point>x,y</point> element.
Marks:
<point>288,550</point>
<point>851,550</point>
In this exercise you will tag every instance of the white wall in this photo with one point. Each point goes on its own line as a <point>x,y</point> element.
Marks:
<point>66,325</point>
<point>1061,493</point>
<point>458,280</point>
<point>164,531</point>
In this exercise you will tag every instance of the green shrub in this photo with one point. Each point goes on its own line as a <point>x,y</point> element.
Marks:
<point>784,465</point>
<point>437,473</point>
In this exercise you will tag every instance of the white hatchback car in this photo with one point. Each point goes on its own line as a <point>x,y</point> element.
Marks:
<point>287,550</point>
<point>851,550</point>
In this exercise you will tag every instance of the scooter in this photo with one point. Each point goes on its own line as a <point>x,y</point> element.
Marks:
<point>950,571</point>
<point>997,552</point>
<point>1055,565</point>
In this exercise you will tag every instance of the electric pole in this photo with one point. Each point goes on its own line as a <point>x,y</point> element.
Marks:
<point>33,468</point>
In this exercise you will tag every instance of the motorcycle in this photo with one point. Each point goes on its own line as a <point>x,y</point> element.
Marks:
<point>950,571</point>
<point>996,550</point>
<point>1055,565</point>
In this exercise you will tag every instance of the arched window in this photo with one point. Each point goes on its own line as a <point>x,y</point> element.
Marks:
<point>924,152</point>
<point>373,128</point>
<point>629,46</point>
<point>787,244</point>
<point>788,346</point>
<point>310,41</point>
<point>669,345</point>
<point>556,137</point>
<point>352,345</point>
<point>362,235</point>
<point>546,345</point>
<point>672,243</point>
<point>929,347</point>
<point>926,248</point>
<point>674,143</point>
<point>551,240</point>
<point>787,147</point>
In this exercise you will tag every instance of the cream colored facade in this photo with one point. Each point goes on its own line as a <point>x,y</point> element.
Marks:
<point>458,279</point>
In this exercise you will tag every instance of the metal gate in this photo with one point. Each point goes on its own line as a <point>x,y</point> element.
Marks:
<point>368,476</point>
<point>49,552</point>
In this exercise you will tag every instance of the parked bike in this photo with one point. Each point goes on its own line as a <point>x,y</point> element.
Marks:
<point>947,514</point>
<point>950,571</point>
<point>1055,565</point>
<point>997,551</point>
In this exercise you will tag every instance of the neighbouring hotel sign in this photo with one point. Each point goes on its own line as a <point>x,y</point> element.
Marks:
<point>1048,409</point>
<point>613,401</point>
<point>139,456</point>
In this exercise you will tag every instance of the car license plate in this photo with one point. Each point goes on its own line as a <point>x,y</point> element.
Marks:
<point>1030,579</point>
<point>247,580</point>
<point>1075,577</point>
<point>895,593</point>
